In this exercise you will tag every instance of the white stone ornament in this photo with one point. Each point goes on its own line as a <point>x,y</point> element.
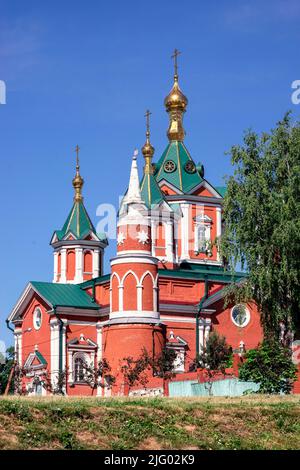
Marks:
<point>121,238</point>
<point>142,237</point>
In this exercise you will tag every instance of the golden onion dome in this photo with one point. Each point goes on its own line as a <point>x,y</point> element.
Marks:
<point>176,99</point>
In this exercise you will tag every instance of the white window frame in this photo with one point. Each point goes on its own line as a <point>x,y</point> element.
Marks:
<point>248,316</point>
<point>203,224</point>
<point>37,311</point>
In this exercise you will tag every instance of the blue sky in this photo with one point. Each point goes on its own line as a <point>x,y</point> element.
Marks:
<point>85,72</point>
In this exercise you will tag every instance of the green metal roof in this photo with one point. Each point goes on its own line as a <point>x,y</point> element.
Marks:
<point>78,222</point>
<point>221,190</point>
<point>151,193</point>
<point>95,280</point>
<point>64,295</point>
<point>40,357</point>
<point>201,272</point>
<point>178,153</point>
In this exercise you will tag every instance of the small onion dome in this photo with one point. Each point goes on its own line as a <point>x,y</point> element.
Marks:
<point>147,149</point>
<point>176,99</point>
<point>77,184</point>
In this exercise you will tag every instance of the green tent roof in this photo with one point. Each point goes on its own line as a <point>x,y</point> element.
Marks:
<point>183,180</point>
<point>151,193</point>
<point>64,295</point>
<point>79,223</point>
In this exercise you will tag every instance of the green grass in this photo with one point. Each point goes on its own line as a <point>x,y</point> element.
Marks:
<point>254,422</point>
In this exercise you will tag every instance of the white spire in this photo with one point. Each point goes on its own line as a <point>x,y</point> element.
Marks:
<point>134,191</point>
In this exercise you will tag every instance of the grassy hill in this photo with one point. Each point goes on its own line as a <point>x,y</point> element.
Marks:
<point>253,422</point>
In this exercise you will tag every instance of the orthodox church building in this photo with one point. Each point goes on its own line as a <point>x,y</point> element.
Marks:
<point>165,288</point>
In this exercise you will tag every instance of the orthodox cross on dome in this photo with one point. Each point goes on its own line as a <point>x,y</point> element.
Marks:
<point>143,237</point>
<point>174,56</point>
<point>77,148</point>
<point>147,116</point>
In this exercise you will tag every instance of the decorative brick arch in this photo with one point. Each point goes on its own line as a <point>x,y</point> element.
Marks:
<point>115,293</point>
<point>129,285</point>
<point>88,261</point>
<point>71,260</point>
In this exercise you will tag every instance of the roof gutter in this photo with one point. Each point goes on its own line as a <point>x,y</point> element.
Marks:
<point>8,326</point>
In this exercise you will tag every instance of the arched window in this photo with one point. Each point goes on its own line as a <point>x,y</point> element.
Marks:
<point>130,287</point>
<point>147,293</point>
<point>160,243</point>
<point>70,265</point>
<point>79,369</point>
<point>88,262</point>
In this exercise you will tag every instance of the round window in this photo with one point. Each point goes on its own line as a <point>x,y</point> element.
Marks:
<point>170,166</point>
<point>190,167</point>
<point>37,318</point>
<point>240,315</point>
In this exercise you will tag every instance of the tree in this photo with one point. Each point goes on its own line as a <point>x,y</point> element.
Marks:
<point>215,357</point>
<point>271,366</point>
<point>262,225</point>
<point>5,368</point>
<point>137,371</point>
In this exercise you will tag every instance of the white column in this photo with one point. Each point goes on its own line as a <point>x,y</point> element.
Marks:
<point>153,236</point>
<point>55,268</point>
<point>207,327</point>
<point>218,226</point>
<point>155,298</point>
<point>70,371</point>
<point>96,263</point>
<point>99,354</point>
<point>201,336</point>
<point>169,241</point>
<point>54,350</point>
<point>185,232</point>
<point>139,290</point>
<point>121,293</point>
<point>63,275</point>
<point>78,265</point>
<point>18,345</point>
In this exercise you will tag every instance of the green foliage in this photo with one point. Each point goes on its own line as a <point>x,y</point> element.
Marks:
<point>136,371</point>
<point>216,355</point>
<point>5,367</point>
<point>262,224</point>
<point>271,366</point>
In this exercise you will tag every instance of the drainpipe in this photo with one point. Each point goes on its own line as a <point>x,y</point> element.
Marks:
<point>8,326</point>
<point>198,316</point>
<point>94,290</point>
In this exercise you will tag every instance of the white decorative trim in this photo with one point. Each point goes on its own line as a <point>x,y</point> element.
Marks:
<point>134,252</point>
<point>135,313</point>
<point>133,259</point>
<point>206,185</point>
<point>55,268</point>
<point>63,266</point>
<point>96,263</point>
<point>185,231</point>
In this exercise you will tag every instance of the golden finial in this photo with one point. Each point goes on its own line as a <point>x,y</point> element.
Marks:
<point>147,149</point>
<point>78,180</point>
<point>176,103</point>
